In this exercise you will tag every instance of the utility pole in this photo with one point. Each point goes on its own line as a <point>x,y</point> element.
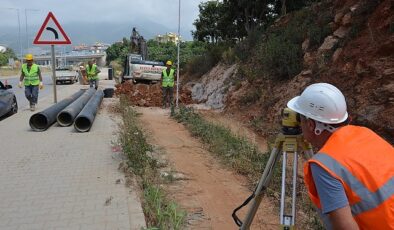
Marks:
<point>26,25</point>
<point>178,48</point>
<point>19,32</point>
<point>19,36</point>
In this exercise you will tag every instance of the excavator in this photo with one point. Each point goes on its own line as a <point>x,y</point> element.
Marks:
<point>136,67</point>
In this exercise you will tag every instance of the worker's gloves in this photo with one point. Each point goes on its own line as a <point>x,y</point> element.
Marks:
<point>41,85</point>
<point>20,84</point>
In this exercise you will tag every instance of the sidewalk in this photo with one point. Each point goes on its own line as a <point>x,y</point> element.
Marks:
<point>61,179</point>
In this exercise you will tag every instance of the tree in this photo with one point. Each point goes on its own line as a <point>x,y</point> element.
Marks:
<point>118,51</point>
<point>207,23</point>
<point>250,14</point>
<point>231,19</point>
<point>282,7</point>
<point>9,53</point>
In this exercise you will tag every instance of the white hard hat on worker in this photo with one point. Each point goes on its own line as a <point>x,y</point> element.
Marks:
<point>321,102</point>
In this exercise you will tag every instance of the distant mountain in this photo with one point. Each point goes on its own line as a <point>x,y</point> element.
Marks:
<point>88,33</point>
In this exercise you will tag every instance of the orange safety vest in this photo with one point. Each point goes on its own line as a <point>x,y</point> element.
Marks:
<point>364,163</point>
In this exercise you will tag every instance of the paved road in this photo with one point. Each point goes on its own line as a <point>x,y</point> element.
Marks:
<point>61,179</point>
<point>20,93</point>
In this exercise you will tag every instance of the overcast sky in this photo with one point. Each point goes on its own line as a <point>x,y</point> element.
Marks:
<point>66,11</point>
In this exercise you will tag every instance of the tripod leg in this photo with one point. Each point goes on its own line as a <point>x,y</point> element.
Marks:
<point>283,187</point>
<point>262,185</point>
<point>293,204</point>
<point>288,220</point>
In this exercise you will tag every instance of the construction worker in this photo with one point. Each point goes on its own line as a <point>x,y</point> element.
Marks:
<point>32,80</point>
<point>83,79</point>
<point>167,83</point>
<point>351,178</point>
<point>92,72</point>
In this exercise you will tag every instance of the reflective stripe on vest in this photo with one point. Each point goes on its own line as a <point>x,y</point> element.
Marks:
<point>168,80</point>
<point>31,77</point>
<point>92,73</point>
<point>363,163</point>
<point>370,200</point>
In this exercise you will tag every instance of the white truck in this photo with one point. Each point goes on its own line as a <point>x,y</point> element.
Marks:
<point>139,70</point>
<point>66,74</point>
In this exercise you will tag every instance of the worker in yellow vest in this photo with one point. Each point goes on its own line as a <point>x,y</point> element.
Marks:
<point>32,80</point>
<point>92,72</point>
<point>168,77</point>
<point>351,178</point>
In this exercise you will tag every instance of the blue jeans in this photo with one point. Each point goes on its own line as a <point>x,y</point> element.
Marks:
<point>31,93</point>
<point>95,82</point>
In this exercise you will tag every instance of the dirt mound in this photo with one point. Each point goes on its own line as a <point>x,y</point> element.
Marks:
<point>149,95</point>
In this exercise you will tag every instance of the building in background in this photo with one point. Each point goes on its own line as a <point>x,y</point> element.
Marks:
<point>168,37</point>
<point>96,48</point>
<point>79,54</point>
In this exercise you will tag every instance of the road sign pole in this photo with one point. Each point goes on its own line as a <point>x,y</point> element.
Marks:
<point>54,72</point>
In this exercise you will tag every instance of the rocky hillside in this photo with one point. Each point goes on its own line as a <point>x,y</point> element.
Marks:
<point>357,56</point>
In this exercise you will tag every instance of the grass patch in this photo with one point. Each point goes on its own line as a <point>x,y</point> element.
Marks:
<point>9,71</point>
<point>160,212</point>
<point>235,151</point>
<point>245,159</point>
<point>167,214</point>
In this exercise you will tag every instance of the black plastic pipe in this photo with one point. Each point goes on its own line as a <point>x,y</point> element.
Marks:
<point>85,118</point>
<point>41,121</point>
<point>66,116</point>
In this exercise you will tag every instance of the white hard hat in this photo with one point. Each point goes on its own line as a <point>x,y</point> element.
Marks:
<point>321,102</point>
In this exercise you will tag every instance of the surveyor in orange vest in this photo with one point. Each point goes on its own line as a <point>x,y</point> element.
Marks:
<point>351,178</point>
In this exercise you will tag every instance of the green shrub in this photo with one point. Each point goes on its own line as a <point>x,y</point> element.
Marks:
<point>229,56</point>
<point>244,49</point>
<point>317,34</point>
<point>199,65</point>
<point>281,59</point>
<point>251,96</point>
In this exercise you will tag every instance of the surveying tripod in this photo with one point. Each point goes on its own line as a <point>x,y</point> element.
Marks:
<point>288,142</point>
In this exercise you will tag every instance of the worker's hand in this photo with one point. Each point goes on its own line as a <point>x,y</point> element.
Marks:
<point>41,85</point>
<point>20,84</point>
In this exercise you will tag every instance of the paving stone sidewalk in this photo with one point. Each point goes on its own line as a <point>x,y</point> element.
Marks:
<point>62,179</point>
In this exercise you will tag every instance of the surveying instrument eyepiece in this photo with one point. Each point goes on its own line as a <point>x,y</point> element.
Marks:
<point>289,141</point>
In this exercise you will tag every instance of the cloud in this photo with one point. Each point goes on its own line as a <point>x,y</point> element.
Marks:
<point>66,11</point>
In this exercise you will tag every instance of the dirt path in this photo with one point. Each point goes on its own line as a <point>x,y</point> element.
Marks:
<point>236,127</point>
<point>210,192</point>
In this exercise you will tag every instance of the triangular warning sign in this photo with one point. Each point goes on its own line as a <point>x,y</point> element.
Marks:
<point>51,33</point>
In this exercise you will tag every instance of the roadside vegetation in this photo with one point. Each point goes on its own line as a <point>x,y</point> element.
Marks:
<point>160,212</point>
<point>263,50</point>
<point>9,53</point>
<point>245,158</point>
<point>193,54</point>
<point>6,71</point>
